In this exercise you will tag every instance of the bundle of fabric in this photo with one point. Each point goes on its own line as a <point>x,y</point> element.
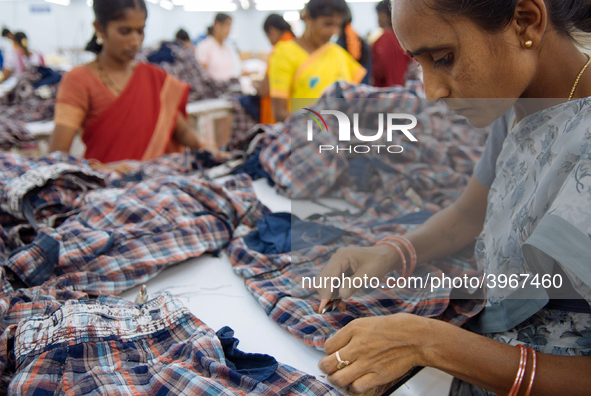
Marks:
<point>33,97</point>
<point>61,342</point>
<point>14,134</point>
<point>281,260</point>
<point>437,167</point>
<point>181,63</point>
<point>67,231</point>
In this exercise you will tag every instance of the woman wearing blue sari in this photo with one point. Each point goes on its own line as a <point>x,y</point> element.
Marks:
<point>528,206</point>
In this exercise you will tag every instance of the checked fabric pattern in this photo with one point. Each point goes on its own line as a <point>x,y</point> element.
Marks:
<point>109,240</point>
<point>438,167</point>
<point>110,346</point>
<point>275,280</point>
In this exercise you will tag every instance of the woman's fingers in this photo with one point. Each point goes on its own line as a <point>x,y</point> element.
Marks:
<point>330,363</point>
<point>365,382</point>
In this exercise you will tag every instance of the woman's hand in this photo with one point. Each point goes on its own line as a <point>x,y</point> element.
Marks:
<point>379,349</point>
<point>357,262</point>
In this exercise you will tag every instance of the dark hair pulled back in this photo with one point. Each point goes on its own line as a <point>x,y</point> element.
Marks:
<point>567,16</point>
<point>106,11</point>
<point>326,8</point>
<point>276,21</point>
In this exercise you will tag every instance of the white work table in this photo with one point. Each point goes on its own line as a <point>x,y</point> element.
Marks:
<point>211,290</point>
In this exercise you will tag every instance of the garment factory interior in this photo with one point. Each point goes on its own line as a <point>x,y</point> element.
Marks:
<point>190,190</point>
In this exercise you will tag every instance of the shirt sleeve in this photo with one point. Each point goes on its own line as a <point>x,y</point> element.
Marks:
<point>485,169</point>
<point>72,101</point>
<point>281,73</point>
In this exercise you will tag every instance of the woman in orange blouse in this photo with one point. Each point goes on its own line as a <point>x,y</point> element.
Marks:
<point>126,110</point>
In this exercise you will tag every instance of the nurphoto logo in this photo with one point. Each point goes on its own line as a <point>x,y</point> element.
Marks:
<point>394,123</point>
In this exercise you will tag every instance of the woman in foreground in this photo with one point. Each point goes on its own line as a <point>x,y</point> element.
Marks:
<point>528,205</point>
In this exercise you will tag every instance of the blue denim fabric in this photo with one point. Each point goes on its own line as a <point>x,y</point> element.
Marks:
<point>254,365</point>
<point>282,232</point>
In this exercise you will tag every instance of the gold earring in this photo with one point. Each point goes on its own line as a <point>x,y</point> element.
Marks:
<point>529,44</point>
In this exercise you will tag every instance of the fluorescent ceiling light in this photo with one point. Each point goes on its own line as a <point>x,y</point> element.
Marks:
<point>153,1</point>
<point>167,5</point>
<point>245,4</point>
<point>211,6</point>
<point>89,3</point>
<point>284,5</point>
<point>60,2</point>
<point>291,16</point>
<point>179,2</point>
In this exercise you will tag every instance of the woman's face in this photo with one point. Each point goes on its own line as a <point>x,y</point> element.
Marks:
<point>123,37</point>
<point>222,29</point>
<point>461,62</point>
<point>323,28</point>
<point>274,35</point>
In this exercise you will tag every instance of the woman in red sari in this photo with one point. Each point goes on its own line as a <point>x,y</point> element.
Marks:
<point>125,110</point>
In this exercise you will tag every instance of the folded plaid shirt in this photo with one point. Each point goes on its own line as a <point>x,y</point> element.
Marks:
<point>110,346</point>
<point>276,280</point>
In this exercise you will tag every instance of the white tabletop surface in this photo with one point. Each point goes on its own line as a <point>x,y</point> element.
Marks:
<point>208,105</point>
<point>40,128</point>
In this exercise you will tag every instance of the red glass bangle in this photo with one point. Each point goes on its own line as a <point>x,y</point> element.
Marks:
<point>533,371</point>
<point>520,371</point>
<point>409,248</point>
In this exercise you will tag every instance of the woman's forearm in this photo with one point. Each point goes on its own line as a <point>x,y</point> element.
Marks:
<point>451,229</point>
<point>185,135</point>
<point>493,365</point>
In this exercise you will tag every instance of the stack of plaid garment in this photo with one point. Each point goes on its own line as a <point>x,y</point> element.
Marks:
<point>438,167</point>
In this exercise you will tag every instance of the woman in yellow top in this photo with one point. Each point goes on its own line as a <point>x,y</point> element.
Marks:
<point>304,67</point>
<point>277,30</point>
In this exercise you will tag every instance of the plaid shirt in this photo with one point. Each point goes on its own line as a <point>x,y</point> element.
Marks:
<point>276,280</point>
<point>110,346</point>
<point>115,244</point>
<point>108,240</point>
<point>438,167</point>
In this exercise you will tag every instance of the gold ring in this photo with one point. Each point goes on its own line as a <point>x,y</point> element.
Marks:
<point>342,363</point>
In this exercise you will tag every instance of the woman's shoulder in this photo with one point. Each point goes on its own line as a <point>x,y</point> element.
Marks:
<point>79,72</point>
<point>289,50</point>
<point>288,45</point>
<point>151,69</point>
